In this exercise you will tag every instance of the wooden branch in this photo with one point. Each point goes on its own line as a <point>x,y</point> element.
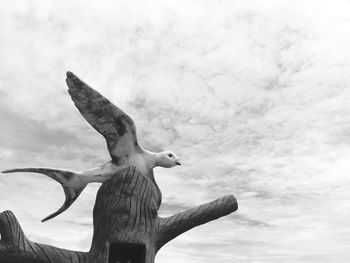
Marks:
<point>126,225</point>
<point>15,247</point>
<point>172,226</point>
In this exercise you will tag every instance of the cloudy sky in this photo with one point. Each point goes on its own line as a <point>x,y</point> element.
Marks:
<point>253,96</point>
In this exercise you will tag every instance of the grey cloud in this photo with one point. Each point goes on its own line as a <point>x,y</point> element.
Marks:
<point>246,221</point>
<point>173,207</point>
<point>251,95</point>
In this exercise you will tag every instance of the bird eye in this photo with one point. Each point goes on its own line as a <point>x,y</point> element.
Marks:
<point>170,155</point>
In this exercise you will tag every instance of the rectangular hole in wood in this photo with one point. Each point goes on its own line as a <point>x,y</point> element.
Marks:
<point>127,253</point>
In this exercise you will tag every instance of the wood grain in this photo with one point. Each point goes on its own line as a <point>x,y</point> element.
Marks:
<point>171,227</point>
<point>127,227</point>
<point>16,247</point>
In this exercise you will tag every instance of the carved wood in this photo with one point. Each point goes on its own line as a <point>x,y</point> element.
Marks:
<point>172,226</point>
<point>16,247</point>
<point>127,227</point>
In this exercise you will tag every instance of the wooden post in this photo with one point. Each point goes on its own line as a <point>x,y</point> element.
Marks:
<point>127,228</point>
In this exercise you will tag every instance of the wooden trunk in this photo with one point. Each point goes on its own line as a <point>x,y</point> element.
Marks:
<point>125,219</point>
<point>127,228</point>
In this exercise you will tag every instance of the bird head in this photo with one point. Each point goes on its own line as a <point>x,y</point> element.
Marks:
<point>167,159</point>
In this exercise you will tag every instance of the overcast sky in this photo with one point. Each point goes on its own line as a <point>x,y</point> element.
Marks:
<point>253,96</point>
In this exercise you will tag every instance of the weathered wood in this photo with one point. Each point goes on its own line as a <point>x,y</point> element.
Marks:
<point>16,247</point>
<point>125,214</point>
<point>172,226</point>
<point>127,227</point>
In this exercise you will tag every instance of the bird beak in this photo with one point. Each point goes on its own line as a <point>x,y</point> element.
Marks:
<point>177,162</point>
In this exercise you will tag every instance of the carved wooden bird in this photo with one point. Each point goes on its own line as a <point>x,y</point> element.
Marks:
<point>120,133</point>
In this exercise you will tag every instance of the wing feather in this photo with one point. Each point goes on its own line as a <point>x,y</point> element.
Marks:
<point>116,126</point>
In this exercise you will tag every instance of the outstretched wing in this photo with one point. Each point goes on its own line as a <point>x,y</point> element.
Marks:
<point>117,127</point>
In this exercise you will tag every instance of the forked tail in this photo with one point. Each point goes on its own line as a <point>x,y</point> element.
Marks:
<point>70,181</point>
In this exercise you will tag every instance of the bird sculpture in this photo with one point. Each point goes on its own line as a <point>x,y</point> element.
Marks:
<point>120,133</point>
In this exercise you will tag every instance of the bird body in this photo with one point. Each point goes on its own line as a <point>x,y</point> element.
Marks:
<point>144,162</point>
<point>120,133</point>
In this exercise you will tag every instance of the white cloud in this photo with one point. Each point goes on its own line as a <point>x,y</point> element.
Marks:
<point>251,95</point>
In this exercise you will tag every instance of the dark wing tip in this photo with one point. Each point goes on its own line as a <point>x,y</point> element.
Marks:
<point>47,218</point>
<point>8,171</point>
<point>69,74</point>
<point>74,83</point>
<point>71,195</point>
<point>63,208</point>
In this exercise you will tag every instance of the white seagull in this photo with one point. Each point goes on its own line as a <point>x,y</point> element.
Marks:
<point>120,133</point>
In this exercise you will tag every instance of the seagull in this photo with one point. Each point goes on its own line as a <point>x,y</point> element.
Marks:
<point>119,130</point>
